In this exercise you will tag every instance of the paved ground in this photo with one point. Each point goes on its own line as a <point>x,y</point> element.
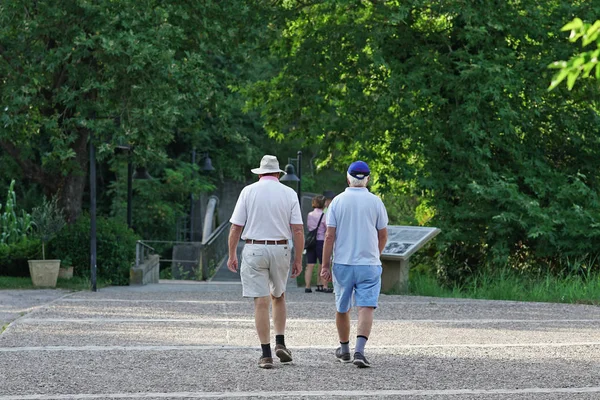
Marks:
<point>185,340</point>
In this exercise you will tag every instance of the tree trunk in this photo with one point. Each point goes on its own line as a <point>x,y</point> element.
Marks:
<point>72,186</point>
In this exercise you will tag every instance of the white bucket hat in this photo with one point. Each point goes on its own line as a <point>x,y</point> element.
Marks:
<point>268,165</point>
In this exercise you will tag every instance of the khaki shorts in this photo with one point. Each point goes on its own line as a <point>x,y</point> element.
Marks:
<point>265,269</point>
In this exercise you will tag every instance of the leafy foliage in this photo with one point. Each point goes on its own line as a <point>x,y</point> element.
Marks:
<point>448,102</point>
<point>14,256</point>
<point>145,74</point>
<point>48,220</point>
<point>13,227</point>
<point>158,203</point>
<point>115,248</point>
<point>581,64</point>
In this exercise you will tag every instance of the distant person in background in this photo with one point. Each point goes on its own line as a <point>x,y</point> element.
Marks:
<point>316,216</point>
<point>357,232</point>
<point>268,213</point>
<point>329,195</point>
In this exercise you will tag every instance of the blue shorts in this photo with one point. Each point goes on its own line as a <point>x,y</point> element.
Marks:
<point>362,281</point>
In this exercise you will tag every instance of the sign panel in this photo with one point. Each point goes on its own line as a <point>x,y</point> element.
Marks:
<point>403,241</point>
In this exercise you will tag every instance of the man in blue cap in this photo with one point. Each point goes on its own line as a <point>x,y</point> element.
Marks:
<point>356,233</point>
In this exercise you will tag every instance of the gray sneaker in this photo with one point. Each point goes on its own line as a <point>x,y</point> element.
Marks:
<point>342,357</point>
<point>361,361</point>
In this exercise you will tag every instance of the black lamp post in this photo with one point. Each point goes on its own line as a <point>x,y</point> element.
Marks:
<point>290,175</point>
<point>206,167</point>
<point>92,213</point>
<point>140,173</point>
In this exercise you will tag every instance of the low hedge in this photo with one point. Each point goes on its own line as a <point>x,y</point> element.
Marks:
<point>115,247</point>
<point>14,256</point>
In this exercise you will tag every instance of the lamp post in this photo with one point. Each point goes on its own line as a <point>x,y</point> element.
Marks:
<point>92,213</point>
<point>290,175</point>
<point>206,167</point>
<point>140,173</point>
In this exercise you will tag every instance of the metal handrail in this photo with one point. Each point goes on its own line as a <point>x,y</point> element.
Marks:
<point>145,245</point>
<point>213,236</point>
<point>214,249</point>
<point>139,252</point>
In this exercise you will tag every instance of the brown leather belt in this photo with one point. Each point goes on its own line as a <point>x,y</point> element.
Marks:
<point>252,241</point>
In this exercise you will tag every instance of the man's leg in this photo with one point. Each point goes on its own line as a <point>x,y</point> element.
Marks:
<point>263,329</point>
<point>279,271</point>
<point>279,313</point>
<point>342,322</point>
<point>363,331</point>
<point>367,291</point>
<point>343,283</point>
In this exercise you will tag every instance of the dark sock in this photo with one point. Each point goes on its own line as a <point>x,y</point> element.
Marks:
<point>279,340</point>
<point>266,350</point>
<point>345,347</point>
<point>361,341</point>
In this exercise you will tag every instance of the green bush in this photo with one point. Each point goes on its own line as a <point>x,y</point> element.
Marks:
<point>115,248</point>
<point>13,227</point>
<point>14,256</point>
<point>48,220</point>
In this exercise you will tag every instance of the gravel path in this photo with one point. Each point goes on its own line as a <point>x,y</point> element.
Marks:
<point>182,340</point>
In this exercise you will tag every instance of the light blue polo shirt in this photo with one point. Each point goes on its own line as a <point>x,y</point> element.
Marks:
<point>357,215</point>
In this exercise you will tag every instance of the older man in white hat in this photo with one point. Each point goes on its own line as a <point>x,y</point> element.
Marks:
<point>269,215</point>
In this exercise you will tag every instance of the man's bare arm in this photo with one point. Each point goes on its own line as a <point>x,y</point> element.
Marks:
<point>382,236</point>
<point>327,252</point>
<point>298,236</point>
<point>234,237</point>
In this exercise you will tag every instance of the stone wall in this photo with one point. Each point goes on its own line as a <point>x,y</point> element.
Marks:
<point>148,272</point>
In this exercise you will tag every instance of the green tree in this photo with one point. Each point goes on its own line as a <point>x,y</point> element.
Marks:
<point>581,64</point>
<point>448,101</point>
<point>143,73</point>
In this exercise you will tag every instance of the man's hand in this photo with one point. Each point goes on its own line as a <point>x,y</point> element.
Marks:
<point>326,272</point>
<point>232,264</point>
<point>296,268</point>
<point>232,243</point>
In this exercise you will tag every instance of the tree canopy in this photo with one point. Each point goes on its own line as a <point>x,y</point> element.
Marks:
<point>448,101</point>
<point>144,74</point>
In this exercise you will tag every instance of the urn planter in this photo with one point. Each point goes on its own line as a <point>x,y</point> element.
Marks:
<point>44,272</point>
<point>65,272</point>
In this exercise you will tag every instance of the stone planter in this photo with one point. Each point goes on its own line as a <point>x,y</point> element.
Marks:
<point>65,273</point>
<point>44,272</point>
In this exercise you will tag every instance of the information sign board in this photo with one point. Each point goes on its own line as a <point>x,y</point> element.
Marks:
<point>403,241</point>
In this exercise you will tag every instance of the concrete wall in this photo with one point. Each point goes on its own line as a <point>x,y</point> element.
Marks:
<point>228,193</point>
<point>148,272</point>
<point>186,260</point>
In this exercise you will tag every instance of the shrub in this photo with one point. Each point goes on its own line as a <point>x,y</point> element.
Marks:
<point>14,256</point>
<point>48,220</point>
<point>13,227</point>
<point>115,248</point>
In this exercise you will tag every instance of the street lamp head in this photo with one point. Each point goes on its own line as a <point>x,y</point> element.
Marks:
<point>290,174</point>
<point>207,167</point>
<point>141,173</point>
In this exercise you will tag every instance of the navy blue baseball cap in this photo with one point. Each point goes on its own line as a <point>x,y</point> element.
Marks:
<point>359,169</point>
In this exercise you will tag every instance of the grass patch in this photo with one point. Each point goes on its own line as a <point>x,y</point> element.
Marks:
<point>75,283</point>
<point>508,285</point>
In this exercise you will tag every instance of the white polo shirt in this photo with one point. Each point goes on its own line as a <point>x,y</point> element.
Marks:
<point>266,209</point>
